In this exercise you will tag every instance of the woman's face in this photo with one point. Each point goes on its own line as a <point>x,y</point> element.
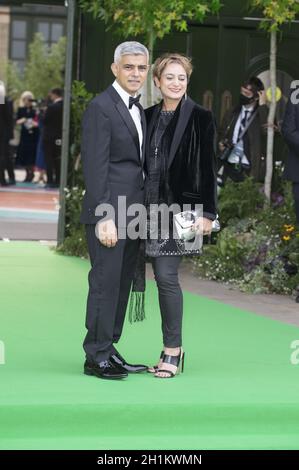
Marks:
<point>27,102</point>
<point>173,82</point>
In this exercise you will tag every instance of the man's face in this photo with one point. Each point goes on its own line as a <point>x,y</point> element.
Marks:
<point>247,91</point>
<point>131,72</point>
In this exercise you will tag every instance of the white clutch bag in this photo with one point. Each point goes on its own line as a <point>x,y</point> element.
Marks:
<point>184,222</point>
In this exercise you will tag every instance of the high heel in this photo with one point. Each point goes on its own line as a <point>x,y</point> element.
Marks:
<point>155,368</point>
<point>183,362</point>
<point>177,361</point>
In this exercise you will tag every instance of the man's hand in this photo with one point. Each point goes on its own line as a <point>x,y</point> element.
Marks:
<point>221,146</point>
<point>262,98</point>
<point>203,226</point>
<point>107,233</point>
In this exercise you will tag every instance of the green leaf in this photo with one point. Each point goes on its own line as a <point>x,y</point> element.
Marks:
<point>137,17</point>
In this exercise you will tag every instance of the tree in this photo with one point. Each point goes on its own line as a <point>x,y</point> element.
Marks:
<point>276,13</point>
<point>150,19</point>
<point>44,69</point>
<point>14,81</point>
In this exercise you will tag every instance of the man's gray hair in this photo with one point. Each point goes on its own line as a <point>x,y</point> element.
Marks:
<point>130,47</point>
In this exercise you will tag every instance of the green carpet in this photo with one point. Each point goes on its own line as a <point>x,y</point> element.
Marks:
<point>239,389</point>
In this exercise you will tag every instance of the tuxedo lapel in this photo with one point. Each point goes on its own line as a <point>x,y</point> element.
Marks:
<point>126,116</point>
<point>144,132</point>
<point>185,113</point>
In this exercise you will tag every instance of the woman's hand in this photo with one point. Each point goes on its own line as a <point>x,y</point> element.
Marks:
<point>203,226</point>
<point>21,121</point>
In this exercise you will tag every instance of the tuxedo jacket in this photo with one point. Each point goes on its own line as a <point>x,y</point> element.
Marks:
<point>110,152</point>
<point>52,123</point>
<point>290,131</point>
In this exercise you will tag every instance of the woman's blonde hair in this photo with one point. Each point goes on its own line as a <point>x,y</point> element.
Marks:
<point>166,59</point>
<point>24,95</point>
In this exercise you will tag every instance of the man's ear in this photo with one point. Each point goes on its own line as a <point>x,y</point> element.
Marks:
<point>114,68</point>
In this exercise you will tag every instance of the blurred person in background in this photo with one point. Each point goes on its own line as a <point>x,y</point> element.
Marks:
<point>52,137</point>
<point>40,163</point>
<point>26,117</point>
<point>6,134</point>
<point>290,132</point>
<point>242,135</point>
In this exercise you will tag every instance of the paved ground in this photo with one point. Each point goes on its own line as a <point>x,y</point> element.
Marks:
<point>28,211</point>
<point>278,307</point>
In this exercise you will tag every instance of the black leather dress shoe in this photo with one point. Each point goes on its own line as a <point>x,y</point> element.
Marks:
<point>104,370</point>
<point>119,361</point>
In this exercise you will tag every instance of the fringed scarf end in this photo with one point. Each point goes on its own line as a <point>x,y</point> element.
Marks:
<point>136,307</point>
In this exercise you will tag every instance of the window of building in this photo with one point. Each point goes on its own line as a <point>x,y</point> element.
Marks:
<point>19,29</point>
<point>18,49</point>
<point>56,31</point>
<point>23,29</point>
<point>44,29</point>
<point>51,32</point>
<point>18,40</point>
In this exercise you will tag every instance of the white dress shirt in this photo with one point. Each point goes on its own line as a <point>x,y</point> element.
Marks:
<point>238,123</point>
<point>237,129</point>
<point>134,111</point>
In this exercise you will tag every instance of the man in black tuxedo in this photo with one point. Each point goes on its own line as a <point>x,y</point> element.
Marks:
<point>6,134</point>
<point>112,153</point>
<point>52,135</point>
<point>290,131</point>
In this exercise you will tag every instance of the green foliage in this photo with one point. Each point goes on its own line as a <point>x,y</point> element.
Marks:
<point>239,200</point>
<point>258,250</point>
<point>142,17</point>
<point>74,245</point>
<point>45,68</point>
<point>75,240</point>
<point>80,99</point>
<point>149,19</point>
<point>13,80</point>
<point>276,12</point>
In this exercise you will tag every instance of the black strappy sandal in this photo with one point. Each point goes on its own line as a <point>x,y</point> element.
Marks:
<point>175,361</point>
<point>155,368</point>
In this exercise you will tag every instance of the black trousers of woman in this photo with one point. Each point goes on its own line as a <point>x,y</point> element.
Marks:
<point>170,298</point>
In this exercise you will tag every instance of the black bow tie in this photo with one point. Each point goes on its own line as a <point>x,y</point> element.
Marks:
<point>134,101</point>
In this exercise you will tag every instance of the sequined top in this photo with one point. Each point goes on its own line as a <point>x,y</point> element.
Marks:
<point>157,244</point>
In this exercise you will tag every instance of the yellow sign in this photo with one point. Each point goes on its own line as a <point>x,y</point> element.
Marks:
<point>278,94</point>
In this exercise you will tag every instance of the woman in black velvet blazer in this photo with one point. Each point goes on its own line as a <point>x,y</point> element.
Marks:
<point>180,166</point>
